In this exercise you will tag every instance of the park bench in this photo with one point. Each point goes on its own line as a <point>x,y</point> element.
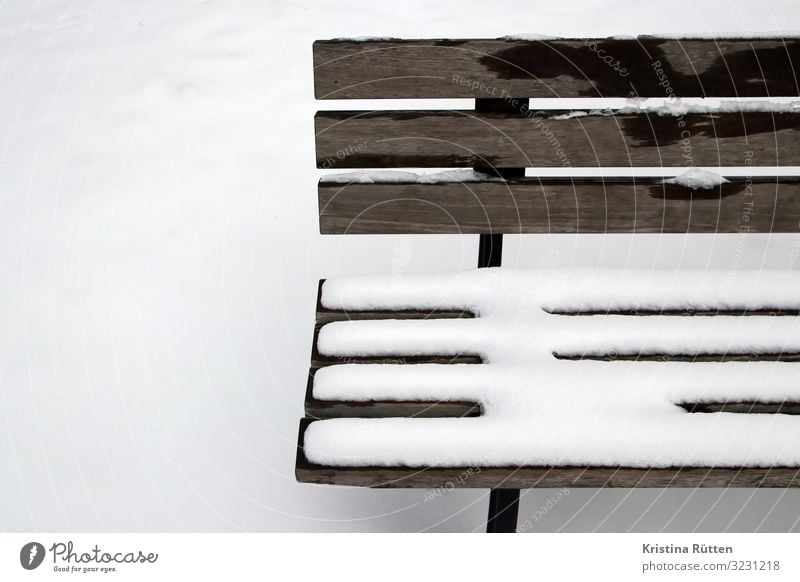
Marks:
<point>488,147</point>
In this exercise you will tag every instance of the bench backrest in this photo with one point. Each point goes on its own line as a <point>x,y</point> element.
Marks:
<point>505,133</point>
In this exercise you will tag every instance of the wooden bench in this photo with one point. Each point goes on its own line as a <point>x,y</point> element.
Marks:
<point>505,133</point>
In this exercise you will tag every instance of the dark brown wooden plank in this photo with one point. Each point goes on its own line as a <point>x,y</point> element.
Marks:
<point>318,360</point>
<point>525,477</point>
<point>682,312</point>
<point>644,67</point>
<point>705,357</point>
<point>550,205</point>
<point>325,315</point>
<point>319,409</point>
<point>445,139</point>
<point>743,407</point>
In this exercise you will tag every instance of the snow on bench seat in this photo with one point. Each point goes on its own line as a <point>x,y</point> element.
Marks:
<point>563,382</point>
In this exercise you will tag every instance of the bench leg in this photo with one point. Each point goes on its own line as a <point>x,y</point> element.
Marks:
<point>503,511</point>
<point>490,250</point>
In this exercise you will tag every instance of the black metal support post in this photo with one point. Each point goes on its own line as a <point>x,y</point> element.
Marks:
<point>503,503</point>
<point>490,250</point>
<point>503,511</point>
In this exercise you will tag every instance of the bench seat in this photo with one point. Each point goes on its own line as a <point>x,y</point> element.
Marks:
<point>705,362</point>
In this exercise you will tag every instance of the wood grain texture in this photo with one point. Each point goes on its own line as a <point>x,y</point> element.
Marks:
<point>442,139</point>
<point>706,357</point>
<point>551,205</point>
<point>643,67</point>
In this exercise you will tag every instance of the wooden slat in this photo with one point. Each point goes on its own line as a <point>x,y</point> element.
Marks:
<point>319,360</point>
<point>706,357</point>
<point>525,477</point>
<point>680,312</point>
<point>551,205</point>
<point>644,67</point>
<point>319,409</point>
<point>325,315</point>
<point>743,407</point>
<point>386,139</point>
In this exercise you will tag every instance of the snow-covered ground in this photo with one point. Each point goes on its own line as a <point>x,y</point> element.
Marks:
<point>159,258</point>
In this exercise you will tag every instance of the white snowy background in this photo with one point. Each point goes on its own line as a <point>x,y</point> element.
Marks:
<point>159,258</point>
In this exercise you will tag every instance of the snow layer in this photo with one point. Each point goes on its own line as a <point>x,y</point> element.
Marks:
<point>541,410</point>
<point>678,107</point>
<point>695,178</point>
<point>788,34</point>
<point>391,176</point>
<point>719,35</point>
<point>530,36</point>
<point>367,39</point>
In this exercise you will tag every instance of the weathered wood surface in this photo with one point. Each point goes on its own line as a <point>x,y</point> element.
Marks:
<point>718,357</point>
<point>551,205</point>
<point>525,477</point>
<point>325,315</point>
<point>385,139</point>
<point>743,407</point>
<point>643,67</point>
<point>317,409</point>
